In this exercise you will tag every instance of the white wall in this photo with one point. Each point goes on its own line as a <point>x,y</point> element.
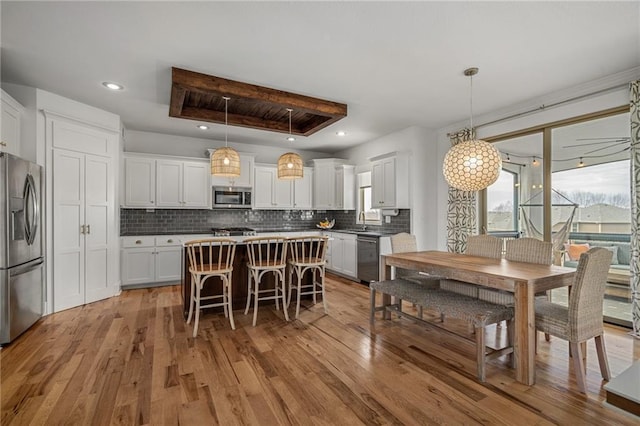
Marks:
<point>159,143</point>
<point>604,98</point>
<point>421,143</point>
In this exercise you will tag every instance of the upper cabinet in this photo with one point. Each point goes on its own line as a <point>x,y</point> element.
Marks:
<point>159,182</point>
<point>140,182</point>
<point>245,180</point>
<point>10,121</point>
<point>269,192</point>
<point>390,181</point>
<point>303,190</point>
<point>334,185</point>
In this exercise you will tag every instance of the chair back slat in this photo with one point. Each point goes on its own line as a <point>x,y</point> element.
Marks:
<point>587,293</point>
<point>308,249</point>
<point>529,250</point>
<point>211,254</point>
<point>267,251</point>
<point>484,246</point>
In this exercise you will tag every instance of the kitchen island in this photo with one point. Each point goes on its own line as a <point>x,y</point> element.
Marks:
<point>240,274</point>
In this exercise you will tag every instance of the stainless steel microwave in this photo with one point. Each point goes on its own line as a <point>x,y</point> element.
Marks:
<point>225,197</point>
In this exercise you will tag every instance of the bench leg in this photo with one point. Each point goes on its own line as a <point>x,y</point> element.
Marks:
<point>480,352</point>
<point>372,308</point>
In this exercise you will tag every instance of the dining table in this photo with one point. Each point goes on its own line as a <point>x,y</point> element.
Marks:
<point>522,279</point>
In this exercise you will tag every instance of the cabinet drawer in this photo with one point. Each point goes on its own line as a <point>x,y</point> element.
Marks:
<point>138,242</point>
<point>169,240</point>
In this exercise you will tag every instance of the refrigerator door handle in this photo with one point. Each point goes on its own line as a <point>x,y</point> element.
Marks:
<point>32,209</point>
<point>23,269</point>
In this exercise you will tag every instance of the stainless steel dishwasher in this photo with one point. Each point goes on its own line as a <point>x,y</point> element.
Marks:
<point>368,258</point>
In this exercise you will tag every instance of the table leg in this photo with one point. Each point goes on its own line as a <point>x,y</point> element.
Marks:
<point>525,333</point>
<point>385,274</point>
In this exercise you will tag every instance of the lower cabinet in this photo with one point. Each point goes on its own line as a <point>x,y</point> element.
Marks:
<point>342,254</point>
<point>149,259</point>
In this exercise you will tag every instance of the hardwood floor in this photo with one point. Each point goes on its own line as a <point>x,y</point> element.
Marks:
<point>130,360</point>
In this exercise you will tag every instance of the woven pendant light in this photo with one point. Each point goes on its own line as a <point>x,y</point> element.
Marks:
<point>225,161</point>
<point>472,165</point>
<point>290,164</point>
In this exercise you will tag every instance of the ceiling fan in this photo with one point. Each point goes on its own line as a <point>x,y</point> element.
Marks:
<point>611,141</point>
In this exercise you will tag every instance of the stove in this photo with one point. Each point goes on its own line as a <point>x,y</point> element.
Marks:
<point>233,232</point>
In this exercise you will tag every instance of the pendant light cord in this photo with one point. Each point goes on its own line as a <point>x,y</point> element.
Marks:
<point>471,101</point>
<point>226,121</point>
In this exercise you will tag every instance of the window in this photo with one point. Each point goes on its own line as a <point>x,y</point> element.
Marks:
<point>371,216</point>
<point>502,204</point>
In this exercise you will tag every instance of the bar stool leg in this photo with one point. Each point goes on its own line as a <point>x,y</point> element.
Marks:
<point>197,313</point>
<point>194,283</point>
<point>299,290</point>
<point>277,275</point>
<point>283,295</point>
<point>249,275</point>
<point>229,300</point>
<point>324,298</point>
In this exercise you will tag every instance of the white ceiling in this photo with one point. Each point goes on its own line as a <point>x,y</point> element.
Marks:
<point>396,64</point>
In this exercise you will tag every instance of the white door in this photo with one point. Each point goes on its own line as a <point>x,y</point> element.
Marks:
<point>138,265</point>
<point>168,263</point>
<point>303,190</point>
<point>68,240</point>
<point>350,257</point>
<point>140,182</point>
<point>283,192</point>
<point>98,177</point>
<point>324,187</point>
<point>169,183</point>
<point>83,211</point>
<point>337,253</point>
<point>389,184</point>
<point>197,185</point>
<point>263,187</point>
<point>377,184</point>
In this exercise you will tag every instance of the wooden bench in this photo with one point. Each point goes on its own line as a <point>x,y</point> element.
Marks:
<point>478,312</point>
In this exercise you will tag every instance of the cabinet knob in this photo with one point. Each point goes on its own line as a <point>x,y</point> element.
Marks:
<point>169,241</point>
<point>3,144</point>
<point>151,201</point>
<point>138,241</point>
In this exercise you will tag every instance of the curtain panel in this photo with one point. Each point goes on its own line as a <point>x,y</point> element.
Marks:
<point>634,103</point>
<point>462,206</point>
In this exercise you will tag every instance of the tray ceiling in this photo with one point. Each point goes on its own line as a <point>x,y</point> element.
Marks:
<point>197,96</point>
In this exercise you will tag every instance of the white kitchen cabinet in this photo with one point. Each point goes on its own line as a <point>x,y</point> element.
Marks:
<point>342,254</point>
<point>140,182</point>
<point>269,192</point>
<point>345,187</point>
<point>83,221</point>
<point>182,184</point>
<point>303,190</point>
<point>10,121</point>
<point>162,182</point>
<point>148,259</point>
<point>390,182</point>
<point>245,180</point>
<point>334,185</point>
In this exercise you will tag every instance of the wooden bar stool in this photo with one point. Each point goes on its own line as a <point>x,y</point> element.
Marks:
<point>266,254</point>
<point>212,257</point>
<point>307,254</point>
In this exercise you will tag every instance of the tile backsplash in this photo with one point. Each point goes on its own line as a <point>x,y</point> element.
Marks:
<point>140,221</point>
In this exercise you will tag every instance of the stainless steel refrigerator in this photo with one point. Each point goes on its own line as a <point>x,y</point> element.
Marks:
<point>21,253</point>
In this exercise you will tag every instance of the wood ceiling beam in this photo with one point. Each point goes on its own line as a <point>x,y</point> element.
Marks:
<point>254,104</point>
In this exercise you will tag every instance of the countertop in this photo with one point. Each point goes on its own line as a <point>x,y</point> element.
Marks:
<point>261,231</point>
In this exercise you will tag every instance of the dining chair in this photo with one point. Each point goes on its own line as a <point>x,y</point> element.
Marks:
<point>581,320</point>
<point>208,258</point>
<point>477,245</point>
<point>266,255</point>
<point>404,243</point>
<point>527,250</point>
<point>308,254</point>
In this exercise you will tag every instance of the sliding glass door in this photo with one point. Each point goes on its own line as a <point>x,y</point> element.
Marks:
<point>569,183</point>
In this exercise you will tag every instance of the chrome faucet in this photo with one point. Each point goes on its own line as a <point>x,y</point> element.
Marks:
<point>363,218</point>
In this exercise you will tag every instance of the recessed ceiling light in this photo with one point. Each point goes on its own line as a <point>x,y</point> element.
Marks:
<point>341,133</point>
<point>112,86</point>
<point>291,139</point>
<point>203,127</point>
